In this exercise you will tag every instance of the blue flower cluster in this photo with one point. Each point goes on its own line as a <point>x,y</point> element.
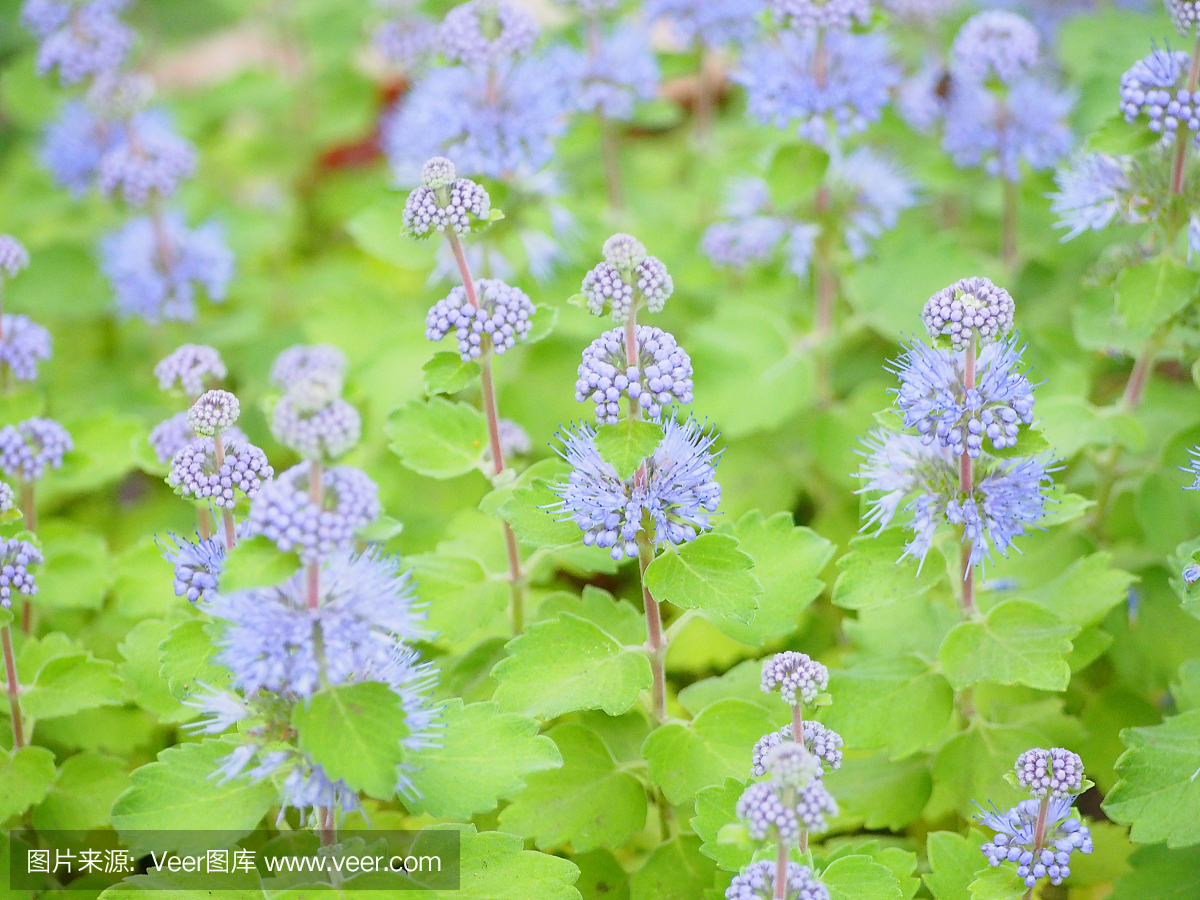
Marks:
<point>1094,191</point>
<point>823,743</point>
<point>28,448</point>
<point>615,71</point>
<point>502,317</point>
<point>708,23</point>
<point>757,882</point>
<point>627,280</point>
<point>314,523</point>
<point>661,375</point>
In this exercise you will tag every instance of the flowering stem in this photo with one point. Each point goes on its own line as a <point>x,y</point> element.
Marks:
<point>515,574</point>
<point>226,512</point>
<point>798,737</point>
<point>966,485</point>
<point>29,511</point>
<point>206,523</point>
<point>1008,225</point>
<point>781,867</point>
<point>1136,385</point>
<point>1039,835</point>
<point>1182,136</point>
<point>14,688</point>
<point>325,826</point>
<point>656,647</point>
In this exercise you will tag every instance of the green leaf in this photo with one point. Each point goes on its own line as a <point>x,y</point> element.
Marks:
<point>1159,791</point>
<point>379,231</point>
<point>481,756</point>
<point>899,704</point>
<point>1151,293</point>
<point>1001,883</point>
<point>675,870</point>
<point>1160,873</point>
<point>380,531</point>
<point>1085,592</point>
<point>446,373</point>
<point>788,561</point>
<point>625,444</point>
<point>142,587</point>
<point>858,877</point>
<point>569,664</point>
<point>715,808</point>
<point>1030,442</point>
<point>1121,138</point>
<point>883,794</point>
<point>589,802</point>
<point>185,659</point>
<point>954,861</point>
<point>874,575</point>
<point>743,681</point>
<point>711,574</point>
<point>1071,423</point>
<point>1018,642</point>
<point>82,793</point>
<point>796,169</point>
<point>142,669</point>
<point>496,866</point>
<point>77,572</point>
<point>354,731</point>
<point>256,562</point>
<point>973,763</point>
<point>179,789</point>
<point>617,617</point>
<point>438,438</point>
<point>601,876</point>
<point>67,684</point>
<point>461,595</point>
<point>542,323</point>
<point>684,758</point>
<point>1186,689</point>
<point>25,776</point>
<point>531,511</point>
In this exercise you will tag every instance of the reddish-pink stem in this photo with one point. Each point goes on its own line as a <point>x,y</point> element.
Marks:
<point>14,687</point>
<point>966,485</point>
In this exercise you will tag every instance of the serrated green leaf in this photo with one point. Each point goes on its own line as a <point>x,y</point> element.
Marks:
<point>438,438</point>
<point>496,866</point>
<point>1149,294</point>
<point>1160,873</point>
<point>1121,138</point>
<point>354,732</point>
<point>1001,883</point>
<point>461,595</point>
<point>743,681</point>
<point>570,664</point>
<point>675,870</point>
<point>787,562</point>
<point>481,756</point>
<point>141,672</point>
<point>874,574</point>
<point>179,788</point>
<point>1030,442</point>
<point>68,684</point>
<point>185,657</point>
<point>25,776</point>
<point>898,704</point>
<point>82,793</point>
<point>1018,642</point>
<point>1072,423</point>
<point>954,862</point>
<point>884,794</point>
<point>531,513</point>
<point>715,808</point>
<point>446,373</point>
<point>1159,789</point>
<point>601,876</point>
<point>711,574</point>
<point>858,877</point>
<point>714,746</point>
<point>256,562</point>
<point>1085,592</point>
<point>619,618</point>
<point>625,444</point>
<point>972,764</point>
<point>588,802</point>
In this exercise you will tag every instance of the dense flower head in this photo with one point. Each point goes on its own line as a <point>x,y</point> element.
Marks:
<point>285,511</point>
<point>189,367</point>
<point>623,251</point>
<point>840,95</point>
<point>1016,840</point>
<point>197,564</point>
<point>971,309</point>
<point>874,191</point>
<point>8,499</point>
<point>169,436</point>
<point>624,288</point>
<point>798,676</point>
<point>315,431</point>
<point>740,242</point>
<point>197,474</point>
<point>213,412</point>
<point>150,161</point>
<point>438,173</point>
<point>919,10</point>
<point>1055,772</point>
<point>13,255</point>
<point>933,399</point>
<point>616,71</point>
<point>89,40</point>
<point>299,362</point>
<point>456,206</point>
<point>1027,127</point>
<point>502,318</point>
<point>405,40</point>
<point>1184,14</point>
<point>822,742</point>
<point>790,765</point>
<point>663,373</point>
<point>499,125</point>
<point>757,882</point>
<point>814,804</point>
<point>75,143</point>
<point>16,556</point>
<point>30,447</point>
<point>23,342</point>
<point>996,43</point>
<point>1008,496</point>
<point>1157,86</point>
<point>154,269</point>
<point>484,32</point>
<point>711,23</point>
<point>762,809</point>
<point>1092,191</point>
<point>676,494</point>
<point>832,14</point>
<point>273,641</point>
